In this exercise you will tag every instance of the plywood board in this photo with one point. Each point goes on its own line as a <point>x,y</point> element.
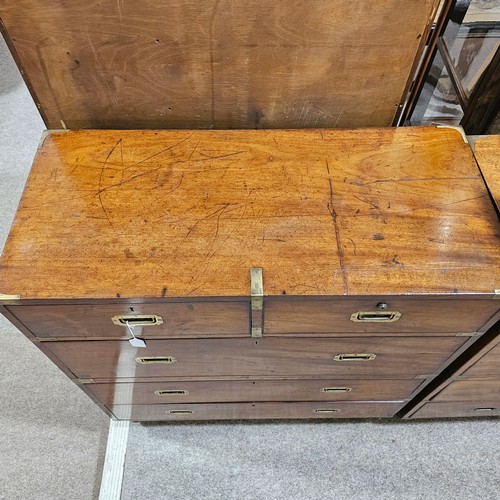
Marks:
<point>217,63</point>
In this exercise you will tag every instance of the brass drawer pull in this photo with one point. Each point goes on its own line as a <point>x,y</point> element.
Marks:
<point>355,357</point>
<point>375,316</point>
<point>336,389</point>
<point>327,410</point>
<point>137,319</point>
<point>490,408</point>
<point>171,392</point>
<point>180,412</point>
<point>151,360</point>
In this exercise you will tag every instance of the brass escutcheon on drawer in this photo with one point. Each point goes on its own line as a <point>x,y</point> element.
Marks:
<point>355,357</point>
<point>327,410</point>
<point>171,392</point>
<point>375,316</point>
<point>137,320</point>
<point>151,360</point>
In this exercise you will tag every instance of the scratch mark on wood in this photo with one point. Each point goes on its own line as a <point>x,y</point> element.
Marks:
<point>100,71</point>
<point>340,250</point>
<point>211,43</point>
<point>208,157</point>
<point>169,148</point>
<point>353,244</point>
<point>194,149</point>
<point>359,182</point>
<point>177,186</point>
<point>100,191</point>
<point>373,205</point>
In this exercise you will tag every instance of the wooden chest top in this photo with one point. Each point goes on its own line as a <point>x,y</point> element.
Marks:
<point>487,152</point>
<point>165,214</point>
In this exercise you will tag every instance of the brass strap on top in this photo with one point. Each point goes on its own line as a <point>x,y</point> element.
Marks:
<point>257,302</point>
<point>5,297</point>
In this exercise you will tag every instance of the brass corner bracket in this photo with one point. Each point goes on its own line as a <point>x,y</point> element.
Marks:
<point>4,297</point>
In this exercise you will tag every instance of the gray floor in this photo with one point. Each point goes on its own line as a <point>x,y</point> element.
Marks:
<point>52,436</point>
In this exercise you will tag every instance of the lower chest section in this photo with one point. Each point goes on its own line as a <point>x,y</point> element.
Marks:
<point>341,358</point>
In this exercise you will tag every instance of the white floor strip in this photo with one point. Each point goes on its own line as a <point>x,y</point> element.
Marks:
<point>112,474</point>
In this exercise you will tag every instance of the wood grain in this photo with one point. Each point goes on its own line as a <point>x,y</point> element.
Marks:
<point>138,214</point>
<point>231,411</point>
<point>487,153</point>
<point>488,366</point>
<point>216,63</point>
<point>471,390</point>
<point>457,409</point>
<point>180,319</point>
<point>252,390</point>
<point>403,358</point>
<point>285,315</point>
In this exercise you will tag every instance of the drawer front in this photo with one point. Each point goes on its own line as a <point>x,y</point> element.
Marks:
<point>488,366</point>
<point>470,390</point>
<point>269,357</point>
<point>143,393</point>
<point>458,409</point>
<point>417,315</point>
<point>179,319</point>
<point>223,411</point>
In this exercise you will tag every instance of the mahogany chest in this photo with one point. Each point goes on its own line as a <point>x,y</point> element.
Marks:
<point>253,274</point>
<point>471,387</point>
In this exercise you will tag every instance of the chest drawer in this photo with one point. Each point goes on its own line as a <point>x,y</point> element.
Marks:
<point>174,319</point>
<point>393,314</point>
<point>457,409</point>
<point>386,357</point>
<point>470,390</point>
<point>251,390</point>
<point>488,366</point>
<point>223,411</point>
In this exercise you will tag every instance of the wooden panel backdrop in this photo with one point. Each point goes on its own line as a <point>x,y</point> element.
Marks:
<point>217,63</point>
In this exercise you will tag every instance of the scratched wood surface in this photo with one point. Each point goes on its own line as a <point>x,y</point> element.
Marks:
<point>162,214</point>
<point>217,63</point>
<point>487,153</point>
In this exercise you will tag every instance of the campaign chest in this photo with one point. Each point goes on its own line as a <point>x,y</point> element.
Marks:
<point>471,386</point>
<point>253,274</point>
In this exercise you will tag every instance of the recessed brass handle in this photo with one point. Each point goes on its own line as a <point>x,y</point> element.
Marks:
<point>137,319</point>
<point>327,410</point>
<point>489,408</point>
<point>336,389</point>
<point>171,392</point>
<point>375,316</point>
<point>355,357</point>
<point>151,360</point>
<point>180,412</point>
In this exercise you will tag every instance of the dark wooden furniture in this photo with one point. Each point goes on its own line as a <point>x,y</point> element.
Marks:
<point>271,274</point>
<point>470,387</point>
<point>218,64</point>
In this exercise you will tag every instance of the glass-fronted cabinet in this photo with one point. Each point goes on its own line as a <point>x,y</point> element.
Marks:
<point>462,84</point>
